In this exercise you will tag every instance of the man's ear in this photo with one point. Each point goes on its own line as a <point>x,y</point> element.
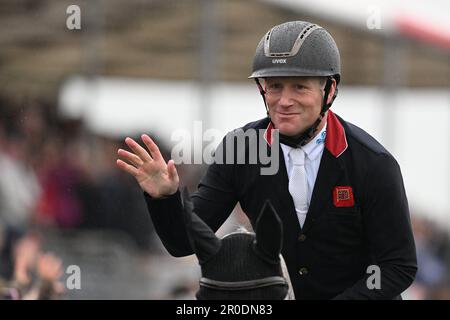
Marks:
<point>332,90</point>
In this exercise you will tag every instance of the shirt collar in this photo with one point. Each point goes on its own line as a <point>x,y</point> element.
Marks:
<point>336,141</point>
<point>313,148</point>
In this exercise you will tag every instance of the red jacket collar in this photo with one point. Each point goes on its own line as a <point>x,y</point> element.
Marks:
<point>268,133</point>
<point>335,141</point>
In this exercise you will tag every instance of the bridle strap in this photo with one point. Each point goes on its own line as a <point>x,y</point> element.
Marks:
<point>242,285</point>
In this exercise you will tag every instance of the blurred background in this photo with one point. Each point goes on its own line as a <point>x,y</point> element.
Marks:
<point>68,97</point>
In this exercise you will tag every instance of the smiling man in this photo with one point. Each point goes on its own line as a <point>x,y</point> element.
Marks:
<point>339,193</point>
<point>296,102</point>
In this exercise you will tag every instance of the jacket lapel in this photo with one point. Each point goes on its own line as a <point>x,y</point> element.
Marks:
<point>282,200</point>
<point>330,172</point>
<point>331,169</point>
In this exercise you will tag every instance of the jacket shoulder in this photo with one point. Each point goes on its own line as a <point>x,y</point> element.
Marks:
<point>258,124</point>
<point>358,138</point>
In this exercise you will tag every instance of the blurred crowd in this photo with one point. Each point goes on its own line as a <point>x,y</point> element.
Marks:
<point>56,175</point>
<point>433,256</point>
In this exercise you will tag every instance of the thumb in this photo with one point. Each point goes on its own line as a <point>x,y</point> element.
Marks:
<point>173,174</point>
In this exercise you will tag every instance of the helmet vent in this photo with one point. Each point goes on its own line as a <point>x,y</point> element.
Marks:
<point>297,44</point>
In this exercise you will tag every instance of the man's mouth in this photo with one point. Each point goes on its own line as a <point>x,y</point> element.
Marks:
<point>287,114</point>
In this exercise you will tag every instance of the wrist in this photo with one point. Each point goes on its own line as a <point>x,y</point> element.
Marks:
<point>162,196</point>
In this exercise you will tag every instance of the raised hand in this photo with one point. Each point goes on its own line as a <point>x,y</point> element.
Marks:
<point>25,254</point>
<point>156,177</point>
<point>49,267</point>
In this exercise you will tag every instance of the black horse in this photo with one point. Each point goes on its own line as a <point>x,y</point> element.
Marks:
<point>241,265</point>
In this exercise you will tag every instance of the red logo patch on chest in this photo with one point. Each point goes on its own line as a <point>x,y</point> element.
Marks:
<point>343,196</point>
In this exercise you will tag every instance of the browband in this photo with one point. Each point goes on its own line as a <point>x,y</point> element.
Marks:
<point>242,285</point>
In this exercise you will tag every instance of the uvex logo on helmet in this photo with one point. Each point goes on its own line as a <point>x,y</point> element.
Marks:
<point>278,60</point>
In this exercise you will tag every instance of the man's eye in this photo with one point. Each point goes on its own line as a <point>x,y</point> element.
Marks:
<point>275,87</point>
<point>299,87</point>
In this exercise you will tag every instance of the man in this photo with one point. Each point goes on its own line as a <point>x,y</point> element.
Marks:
<point>339,193</point>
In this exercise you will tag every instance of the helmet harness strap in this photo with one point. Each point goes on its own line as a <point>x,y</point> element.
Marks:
<point>263,95</point>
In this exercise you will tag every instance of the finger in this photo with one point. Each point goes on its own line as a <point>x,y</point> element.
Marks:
<point>151,145</point>
<point>138,150</point>
<point>173,174</point>
<point>127,168</point>
<point>130,157</point>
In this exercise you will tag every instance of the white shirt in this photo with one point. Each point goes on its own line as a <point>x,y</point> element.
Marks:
<point>313,154</point>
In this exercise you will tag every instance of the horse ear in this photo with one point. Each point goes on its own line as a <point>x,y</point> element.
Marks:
<point>202,239</point>
<point>269,234</point>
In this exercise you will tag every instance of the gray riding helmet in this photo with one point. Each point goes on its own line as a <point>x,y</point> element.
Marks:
<point>296,48</point>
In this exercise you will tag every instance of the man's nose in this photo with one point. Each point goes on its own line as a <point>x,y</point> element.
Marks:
<point>286,98</point>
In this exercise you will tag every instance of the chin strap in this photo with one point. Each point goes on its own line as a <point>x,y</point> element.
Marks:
<point>302,138</point>
<point>263,95</point>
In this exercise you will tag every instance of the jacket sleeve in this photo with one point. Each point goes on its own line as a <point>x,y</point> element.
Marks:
<point>388,234</point>
<point>213,202</point>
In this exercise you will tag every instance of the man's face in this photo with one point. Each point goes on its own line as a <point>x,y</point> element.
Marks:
<point>294,103</point>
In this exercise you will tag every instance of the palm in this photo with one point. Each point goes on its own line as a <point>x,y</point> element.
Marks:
<point>150,170</point>
<point>155,179</point>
